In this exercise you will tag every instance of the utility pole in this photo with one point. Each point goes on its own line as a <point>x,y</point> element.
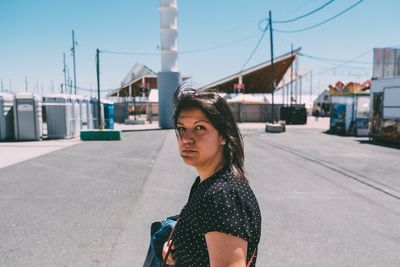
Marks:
<point>272,64</point>
<point>73,56</point>
<point>100,126</point>
<point>311,102</point>
<point>291,79</point>
<point>69,82</point>
<point>65,77</point>
<point>2,90</point>
<point>10,87</point>
<point>301,88</point>
<point>26,84</point>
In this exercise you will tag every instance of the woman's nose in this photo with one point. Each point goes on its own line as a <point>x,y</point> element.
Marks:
<point>187,137</point>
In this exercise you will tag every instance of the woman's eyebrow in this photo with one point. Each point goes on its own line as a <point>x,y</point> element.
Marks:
<point>202,121</point>
<point>198,121</point>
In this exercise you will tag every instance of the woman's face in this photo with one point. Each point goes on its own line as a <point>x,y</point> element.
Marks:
<point>200,144</point>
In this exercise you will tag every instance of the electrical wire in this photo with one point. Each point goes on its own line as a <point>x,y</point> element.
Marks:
<point>217,46</point>
<point>182,52</point>
<point>323,22</point>
<point>128,53</point>
<point>298,8</point>
<point>305,15</point>
<point>93,90</point>
<point>328,60</point>
<point>255,48</point>
<point>344,63</point>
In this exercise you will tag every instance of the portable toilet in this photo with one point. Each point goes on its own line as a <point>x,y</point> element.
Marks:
<point>27,117</point>
<point>59,116</point>
<point>108,114</point>
<point>84,112</point>
<point>6,117</point>
<point>90,113</point>
<point>96,115</point>
<point>76,125</point>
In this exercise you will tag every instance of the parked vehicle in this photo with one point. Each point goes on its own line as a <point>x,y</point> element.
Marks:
<point>385,110</point>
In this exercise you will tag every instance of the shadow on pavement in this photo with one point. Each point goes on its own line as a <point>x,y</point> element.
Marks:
<point>380,143</point>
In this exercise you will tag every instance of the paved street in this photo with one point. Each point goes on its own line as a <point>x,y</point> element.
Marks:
<point>326,200</point>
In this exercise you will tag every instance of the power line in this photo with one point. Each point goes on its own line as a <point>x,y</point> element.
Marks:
<point>344,63</point>
<point>328,60</point>
<point>129,53</point>
<point>299,7</point>
<point>323,22</point>
<point>305,15</point>
<point>182,52</point>
<point>255,48</point>
<point>217,46</point>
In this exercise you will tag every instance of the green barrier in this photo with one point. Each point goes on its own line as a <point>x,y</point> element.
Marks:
<point>95,135</point>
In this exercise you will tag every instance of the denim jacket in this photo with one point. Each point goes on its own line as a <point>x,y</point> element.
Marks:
<point>159,234</point>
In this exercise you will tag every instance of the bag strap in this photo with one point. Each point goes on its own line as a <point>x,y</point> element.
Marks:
<point>164,263</point>
<point>252,258</point>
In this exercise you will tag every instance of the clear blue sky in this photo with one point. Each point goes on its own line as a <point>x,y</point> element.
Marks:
<point>35,34</point>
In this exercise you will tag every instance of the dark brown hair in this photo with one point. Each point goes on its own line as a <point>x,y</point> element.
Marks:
<point>220,115</point>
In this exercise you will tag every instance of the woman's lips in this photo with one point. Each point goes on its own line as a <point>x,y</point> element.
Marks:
<point>187,152</point>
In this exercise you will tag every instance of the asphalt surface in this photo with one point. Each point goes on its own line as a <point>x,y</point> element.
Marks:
<point>326,200</point>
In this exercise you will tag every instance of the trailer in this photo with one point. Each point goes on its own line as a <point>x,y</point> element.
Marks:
<point>385,110</point>
<point>349,109</point>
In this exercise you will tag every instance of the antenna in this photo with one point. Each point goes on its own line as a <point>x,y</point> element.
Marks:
<point>73,57</point>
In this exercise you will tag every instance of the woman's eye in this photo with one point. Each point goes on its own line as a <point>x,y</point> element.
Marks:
<point>200,127</point>
<point>180,129</point>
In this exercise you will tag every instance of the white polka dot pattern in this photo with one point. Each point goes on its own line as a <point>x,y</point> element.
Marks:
<point>220,203</point>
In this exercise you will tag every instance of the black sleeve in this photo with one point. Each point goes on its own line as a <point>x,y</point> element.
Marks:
<point>226,211</point>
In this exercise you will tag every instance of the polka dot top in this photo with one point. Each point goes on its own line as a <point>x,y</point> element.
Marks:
<point>220,203</point>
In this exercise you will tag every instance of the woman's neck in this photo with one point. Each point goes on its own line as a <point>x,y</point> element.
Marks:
<point>207,171</point>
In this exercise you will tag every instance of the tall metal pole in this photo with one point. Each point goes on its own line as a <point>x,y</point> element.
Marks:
<point>73,57</point>
<point>100,126</point>
<point>301,88</point>
<point>26,84</point>
<point>311,103</point>
<point>65,77</point>
<point>291,79</point>
<point>272,64</point>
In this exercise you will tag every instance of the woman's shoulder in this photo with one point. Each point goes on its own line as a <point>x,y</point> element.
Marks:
<point>227,184</point>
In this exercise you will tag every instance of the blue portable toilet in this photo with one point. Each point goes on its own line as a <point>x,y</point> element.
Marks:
<point>95,114</point>
<point>108,114</point>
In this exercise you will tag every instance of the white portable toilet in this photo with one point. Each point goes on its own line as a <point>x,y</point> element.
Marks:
<point>27,117</point>
<point>59,116</point>
<point>84,108</point>
<point>76,115</point>
<point>90,113</point>
<point>6,117</point>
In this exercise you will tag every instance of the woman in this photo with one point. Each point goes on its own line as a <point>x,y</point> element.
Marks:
<point>220,225</point>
